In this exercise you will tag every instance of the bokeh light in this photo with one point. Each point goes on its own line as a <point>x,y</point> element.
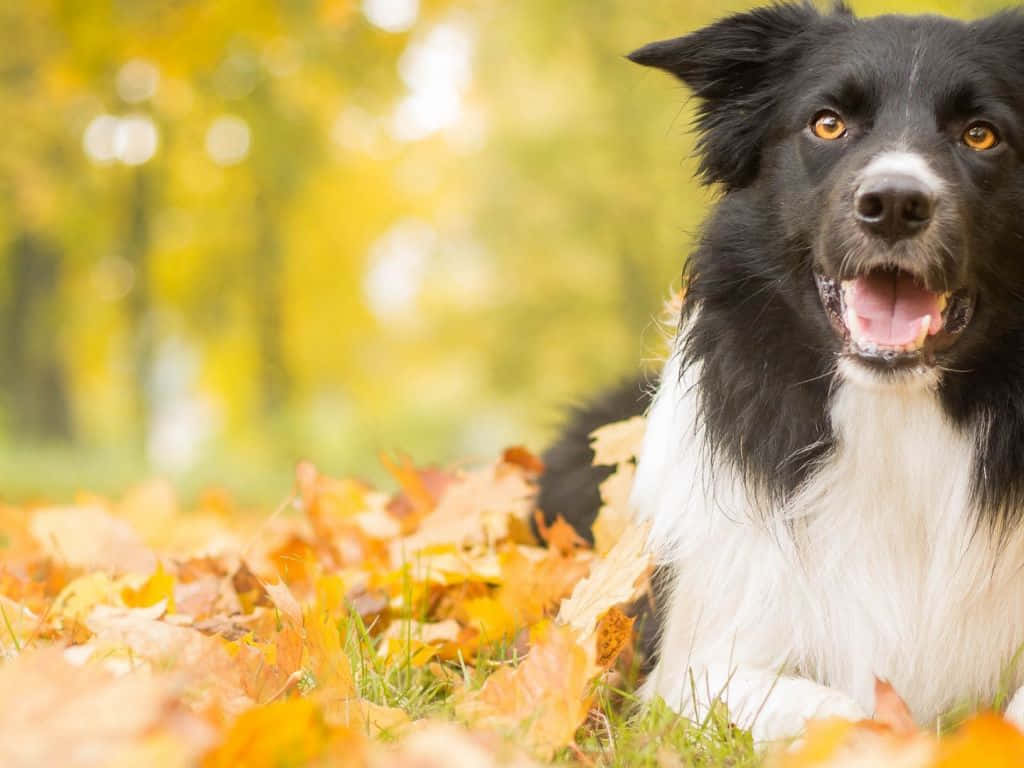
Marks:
<point>391,15</point>
<point>227,140</point>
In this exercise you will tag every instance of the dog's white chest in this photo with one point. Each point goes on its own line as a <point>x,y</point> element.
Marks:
<point>873,569</point>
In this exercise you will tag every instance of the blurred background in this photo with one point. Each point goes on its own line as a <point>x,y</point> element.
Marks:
<point>238,233</point>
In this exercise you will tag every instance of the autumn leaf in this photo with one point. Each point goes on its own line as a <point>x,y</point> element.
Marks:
<point>56,713</point>
<point>619,442</point>
<point>159,586</point>
<point>987,740</point>
<point>613,580</point>
<point>891,710</point>
<point>88,537</point>
<point>289,732</point>
<point>545,698</point>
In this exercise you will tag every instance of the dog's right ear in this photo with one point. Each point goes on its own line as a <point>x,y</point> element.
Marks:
<point>733,66</point>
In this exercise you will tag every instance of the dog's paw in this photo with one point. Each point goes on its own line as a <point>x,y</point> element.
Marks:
<point>786,712</point>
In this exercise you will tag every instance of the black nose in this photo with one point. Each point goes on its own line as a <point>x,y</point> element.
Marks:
<point>894,206</point>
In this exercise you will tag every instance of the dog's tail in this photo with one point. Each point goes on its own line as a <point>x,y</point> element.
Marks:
<point>569,485</point>
<point>569,488</point>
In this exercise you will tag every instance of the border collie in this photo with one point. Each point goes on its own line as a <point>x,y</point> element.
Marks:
<point>834,460</point>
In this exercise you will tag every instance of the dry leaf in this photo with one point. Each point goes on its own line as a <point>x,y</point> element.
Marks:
<point>615,515</point>
<point>559,536</point>
<point>619,442</point>
<point>56,714</point>
<point>613,580</point>
<point>545,698</point>
<point>614,633</point>
<point>891,710</point>
<point>88,537</point>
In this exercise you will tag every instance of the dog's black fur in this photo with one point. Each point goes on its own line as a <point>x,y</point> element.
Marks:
<point>766,346</point>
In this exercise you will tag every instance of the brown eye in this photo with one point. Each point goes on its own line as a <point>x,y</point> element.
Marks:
<point>829,126</point>
<point>980,136</point>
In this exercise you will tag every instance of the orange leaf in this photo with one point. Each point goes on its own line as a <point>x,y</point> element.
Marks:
<point>891,710</point>
<point>986,741</point>
<point>546,697</point>
<point>560,536</point>
<point>614,633</point>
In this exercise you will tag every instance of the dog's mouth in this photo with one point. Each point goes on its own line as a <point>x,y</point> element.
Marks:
<point>888,316</point>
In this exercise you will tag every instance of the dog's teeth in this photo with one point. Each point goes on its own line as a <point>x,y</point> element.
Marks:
<point>926,323</point>
<point>852,322</point>
<point>943,301</point>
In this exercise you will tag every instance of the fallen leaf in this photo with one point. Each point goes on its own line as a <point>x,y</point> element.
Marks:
<point>615,515</point>
<point>614,633</point>
<point>559,536</point>
<point>545,698</point>
<point>289,732</point>
<point>618,442</point>
<point>986,740</point>
<point>613,580</point>
<point>55,713</point>
<point>891,710</point>
<point>159,586</point>
<point>88,537</point>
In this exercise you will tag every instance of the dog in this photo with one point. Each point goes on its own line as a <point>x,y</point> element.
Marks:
<point>833,465</point>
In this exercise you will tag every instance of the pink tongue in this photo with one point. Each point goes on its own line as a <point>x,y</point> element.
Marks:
<point>891,308</point>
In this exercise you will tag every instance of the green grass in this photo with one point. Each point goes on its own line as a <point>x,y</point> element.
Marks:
<point>620,732</point>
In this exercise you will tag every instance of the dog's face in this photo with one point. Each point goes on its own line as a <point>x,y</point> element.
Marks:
<point>891,152</point>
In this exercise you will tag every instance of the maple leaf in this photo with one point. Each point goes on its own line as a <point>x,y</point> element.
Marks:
<point>474,510</point>
<point>614,516</point>
<point>559,536</point>
<point>56,713</point>
<point>618,442</point>
<point>613,580</point>
<point>88,537</point>
<point>545,698</point>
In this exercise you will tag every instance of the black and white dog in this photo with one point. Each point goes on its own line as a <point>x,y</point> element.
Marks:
<point>834,459</point>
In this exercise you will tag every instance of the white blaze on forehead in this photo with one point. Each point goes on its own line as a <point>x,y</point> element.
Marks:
<point>903,164</point>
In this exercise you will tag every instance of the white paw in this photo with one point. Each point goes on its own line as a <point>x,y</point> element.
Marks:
<point>785,714</point>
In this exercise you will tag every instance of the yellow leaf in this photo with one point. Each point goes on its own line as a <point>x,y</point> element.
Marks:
<point>79,597</point>
<point>288,732</point>
<point>159,586</point>
<point>986,741</point>
<point>489,617</point>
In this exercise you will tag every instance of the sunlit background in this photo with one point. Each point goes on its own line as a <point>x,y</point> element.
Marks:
<point>234,234</point>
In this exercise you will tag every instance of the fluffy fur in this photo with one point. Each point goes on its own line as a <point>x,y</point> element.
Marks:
<point>828,513</point>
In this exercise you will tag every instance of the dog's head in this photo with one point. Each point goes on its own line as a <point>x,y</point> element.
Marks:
<point>890,152</point>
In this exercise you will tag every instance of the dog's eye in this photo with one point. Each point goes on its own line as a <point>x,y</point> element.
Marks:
<point>980,136</point>
<point>828,125</point>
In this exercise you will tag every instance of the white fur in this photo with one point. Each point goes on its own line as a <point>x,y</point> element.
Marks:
<point>874,568</point>
<point>905,164</point>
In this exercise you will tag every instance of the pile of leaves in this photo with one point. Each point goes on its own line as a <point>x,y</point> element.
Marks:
<point>428,627</point>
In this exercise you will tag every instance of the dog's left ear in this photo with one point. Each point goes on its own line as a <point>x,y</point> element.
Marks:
<point>734,66</point>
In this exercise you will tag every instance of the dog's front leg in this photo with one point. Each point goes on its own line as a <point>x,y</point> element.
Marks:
<point>772,706</point>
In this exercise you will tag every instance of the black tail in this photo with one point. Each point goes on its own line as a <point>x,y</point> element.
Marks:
<point>569,485</point>
<point>569,488</point>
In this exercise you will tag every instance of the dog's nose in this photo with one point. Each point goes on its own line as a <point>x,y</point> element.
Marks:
<point>894,206</point>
